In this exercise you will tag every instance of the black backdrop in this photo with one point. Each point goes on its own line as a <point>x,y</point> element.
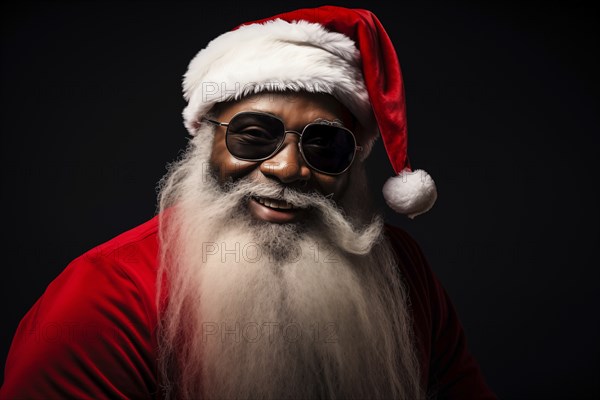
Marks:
<point>502,111</point>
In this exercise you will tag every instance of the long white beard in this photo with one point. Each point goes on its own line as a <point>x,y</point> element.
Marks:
<point>261,310</point>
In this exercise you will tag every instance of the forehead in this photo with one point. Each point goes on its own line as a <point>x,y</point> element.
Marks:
<point>292,107</point>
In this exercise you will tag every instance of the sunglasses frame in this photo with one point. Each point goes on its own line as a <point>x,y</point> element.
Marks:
<point>285,132</point>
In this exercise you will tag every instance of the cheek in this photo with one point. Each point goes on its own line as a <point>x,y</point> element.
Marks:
<point>331,184</point>
<point>225,165</point>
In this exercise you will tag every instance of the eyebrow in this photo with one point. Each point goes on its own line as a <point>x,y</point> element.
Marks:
<point>334,122</point>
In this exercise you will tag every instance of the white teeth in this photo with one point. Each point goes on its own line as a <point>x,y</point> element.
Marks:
<point>272,203</point>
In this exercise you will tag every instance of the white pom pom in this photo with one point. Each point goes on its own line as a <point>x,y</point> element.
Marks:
<point>411,192</point>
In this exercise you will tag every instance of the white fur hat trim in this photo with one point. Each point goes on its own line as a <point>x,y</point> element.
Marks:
<point>277,56</point>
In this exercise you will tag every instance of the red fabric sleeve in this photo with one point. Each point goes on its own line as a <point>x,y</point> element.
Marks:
<point>449,370</point>
<point>91,334</point>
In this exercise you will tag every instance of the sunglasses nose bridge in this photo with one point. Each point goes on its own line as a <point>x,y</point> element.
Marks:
<point>299,134</point>
<point>287,163</point>
<point>299,142</point>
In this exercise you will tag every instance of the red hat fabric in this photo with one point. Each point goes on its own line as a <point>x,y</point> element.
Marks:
<point>336,50</point>
<point>380,69</point>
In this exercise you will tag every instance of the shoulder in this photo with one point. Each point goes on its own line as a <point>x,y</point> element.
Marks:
<point>124,265</point>
<point>130,247</point>
<point>408,251</point>
<point>421,286</point>
<point>448,367</point>
<point>91,334</point>
<point>399,237</point>
<point>118,273</point>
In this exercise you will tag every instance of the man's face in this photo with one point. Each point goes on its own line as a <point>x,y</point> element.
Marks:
<point>292,284</point>
<point>286,167</point>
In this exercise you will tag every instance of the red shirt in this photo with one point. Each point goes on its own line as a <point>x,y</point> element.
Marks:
<point>92,333</point>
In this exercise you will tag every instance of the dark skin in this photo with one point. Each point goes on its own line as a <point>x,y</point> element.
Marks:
<point>286,167</point>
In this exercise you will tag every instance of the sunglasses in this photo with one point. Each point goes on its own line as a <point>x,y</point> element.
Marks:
<point>255,136</point>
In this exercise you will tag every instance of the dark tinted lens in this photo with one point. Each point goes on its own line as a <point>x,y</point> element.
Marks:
<point>253,136</point>
<point>328,148</point>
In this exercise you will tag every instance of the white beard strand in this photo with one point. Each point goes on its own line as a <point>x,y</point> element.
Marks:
<point>260,310</point>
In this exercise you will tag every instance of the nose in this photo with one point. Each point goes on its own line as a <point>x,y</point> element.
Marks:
<point>287,165</point>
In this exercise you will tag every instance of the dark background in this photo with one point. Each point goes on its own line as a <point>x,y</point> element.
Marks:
<point>502,111</point>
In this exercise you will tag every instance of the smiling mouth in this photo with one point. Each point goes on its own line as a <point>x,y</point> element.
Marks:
<point>275,204</point>
<point>274,210</point>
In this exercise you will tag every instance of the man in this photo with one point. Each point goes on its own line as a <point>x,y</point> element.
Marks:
<point>266,273</point>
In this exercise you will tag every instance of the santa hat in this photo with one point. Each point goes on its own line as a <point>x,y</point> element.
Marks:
<point>335,50</point>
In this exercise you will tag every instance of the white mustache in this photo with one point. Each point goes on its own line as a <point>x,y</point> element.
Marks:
<point>245,189</point>
<point>332,217</point>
